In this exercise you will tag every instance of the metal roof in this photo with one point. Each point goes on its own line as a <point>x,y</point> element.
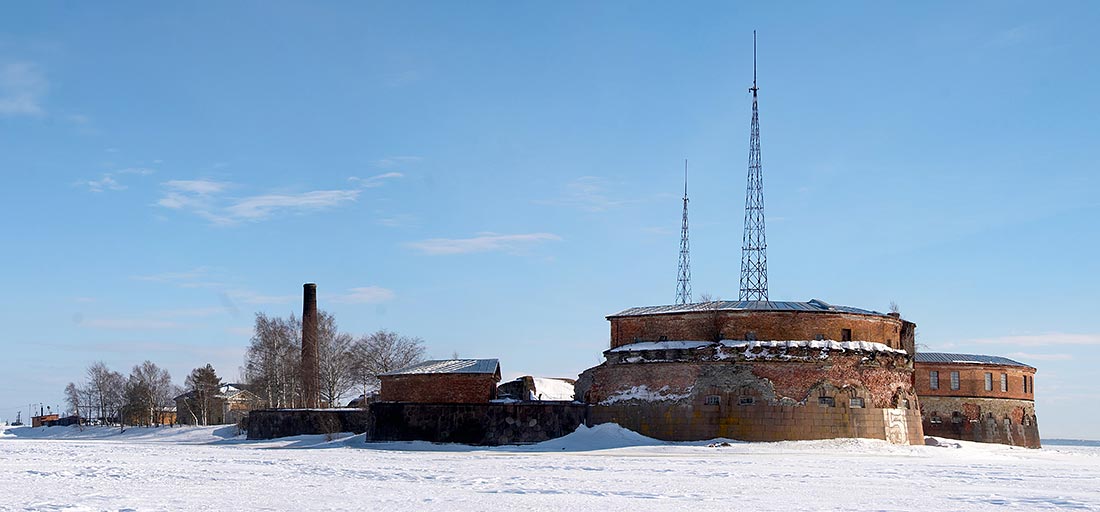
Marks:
<point>942,357</point>
<point>450,366</point>
<point>813,305</point>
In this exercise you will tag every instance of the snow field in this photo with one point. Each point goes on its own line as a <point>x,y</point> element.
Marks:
<point>207,468</point>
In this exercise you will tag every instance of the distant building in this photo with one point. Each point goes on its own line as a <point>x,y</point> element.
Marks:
<point>44,420</point>
<point>442,381</point>
<point>988,399</point>
<point>229,405</point>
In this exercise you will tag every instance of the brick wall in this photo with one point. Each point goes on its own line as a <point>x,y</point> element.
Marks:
<point>439,388</point>
<point>972,380</point>
<point>985,420</point>
<point>767,325</point>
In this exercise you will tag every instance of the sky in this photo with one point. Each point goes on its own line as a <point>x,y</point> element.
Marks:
<point>497,177</point>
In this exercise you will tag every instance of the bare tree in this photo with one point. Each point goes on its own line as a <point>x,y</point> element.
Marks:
<point>334,359</point>
<point>148,390</point>
<point>273,360</point>
<point>382,352</point>
<point>74,398</point>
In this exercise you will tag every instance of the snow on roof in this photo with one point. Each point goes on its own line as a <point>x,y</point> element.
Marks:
<point>813,305</point>
<point>943,357</point>
<point>865,346</point>
<point>660,345</point>
<point>553,389</point>
<point>491,366</point>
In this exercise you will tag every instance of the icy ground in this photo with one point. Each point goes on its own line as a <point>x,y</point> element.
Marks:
<point>208,468</point>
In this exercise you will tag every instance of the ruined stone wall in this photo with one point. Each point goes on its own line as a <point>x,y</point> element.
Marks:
<point>972,380</point>
<point>764,325</point>
<point>755,395</point>
<point>438,388</point>
<point>984,420</point>
<point>479,424</point>
<point>687,422</point>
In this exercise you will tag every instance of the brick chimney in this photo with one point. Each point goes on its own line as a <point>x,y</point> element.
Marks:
<point>311,382</point>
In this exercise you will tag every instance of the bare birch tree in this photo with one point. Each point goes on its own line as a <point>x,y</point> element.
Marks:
<point>273,360</point>
<point>381,352</point>
<point>335,360</point>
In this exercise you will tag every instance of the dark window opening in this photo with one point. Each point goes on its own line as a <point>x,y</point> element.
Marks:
<point>750,336</point>
<point>663,338</point>
<point>845,335</point>
<point>1004,382</point>
<point>826,401</point>
<point>819,337</point>
<point>954,380</point>
<point>746,400</point>
<point>712,400</point>
<point>934,379</point>
<point>855,403</point>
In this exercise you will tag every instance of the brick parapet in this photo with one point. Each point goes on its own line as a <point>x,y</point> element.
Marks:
<point>761,325</point>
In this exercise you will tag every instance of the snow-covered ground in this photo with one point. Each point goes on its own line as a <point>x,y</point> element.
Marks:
<point>210,468</point>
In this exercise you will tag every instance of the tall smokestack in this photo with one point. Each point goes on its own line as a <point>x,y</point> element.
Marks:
<point>311,382</point>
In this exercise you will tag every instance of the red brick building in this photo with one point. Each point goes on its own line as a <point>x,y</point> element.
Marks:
<point>460,381</point>
<point>757,371</point>
<point>980,398</point>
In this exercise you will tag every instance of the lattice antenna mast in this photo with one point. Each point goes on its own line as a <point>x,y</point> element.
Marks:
<point>683,281</point>
<point>754,246</point>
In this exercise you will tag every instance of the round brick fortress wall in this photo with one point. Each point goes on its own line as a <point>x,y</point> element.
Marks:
<point>762,325</point>
<point>756,391</point>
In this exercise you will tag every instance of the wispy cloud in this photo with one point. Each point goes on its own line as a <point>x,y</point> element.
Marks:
<point>587,193</point>
<point>175,277</point>
<point>110,181</point>
<point>394,161</point>
<point>130,324</point>
<point>22,86</point>
<point>484,242</point>
<point>376,180</point>
<point>1040,357</point>
<point>1042,340</point>
<point>206,199</point>
<point>251,297</point>
<point>364,295</point>
<point>197,186</point>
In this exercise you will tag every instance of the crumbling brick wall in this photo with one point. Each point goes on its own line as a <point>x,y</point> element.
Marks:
<point>985,420</point>
<point>764,325</point>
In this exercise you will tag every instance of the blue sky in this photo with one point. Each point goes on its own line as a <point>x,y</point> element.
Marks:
<point>496,178</point>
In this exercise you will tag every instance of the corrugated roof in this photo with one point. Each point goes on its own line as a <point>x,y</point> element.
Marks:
<point>744,305</point>
<point>943,357</point>
<point>450,366</point>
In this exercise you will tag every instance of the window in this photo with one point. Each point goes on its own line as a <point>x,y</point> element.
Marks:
<point>954,380</point>
<point>819,337</point>
<point>1004,382</point>
<point>905,403</point>
<point>826,401</point>
<point>1008,422</point>
<point>712,400</point>
<point>1025,383</point>
<point>845,335</point>
<point>933,379</point>
<point>746,400</point>
<point>935,418</point>
<point>663,338</point>
<point>750,336</point>
<point>988,381</point>
<point>855,403</point>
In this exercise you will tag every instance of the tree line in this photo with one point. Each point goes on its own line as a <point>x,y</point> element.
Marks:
<point>349,365</point>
